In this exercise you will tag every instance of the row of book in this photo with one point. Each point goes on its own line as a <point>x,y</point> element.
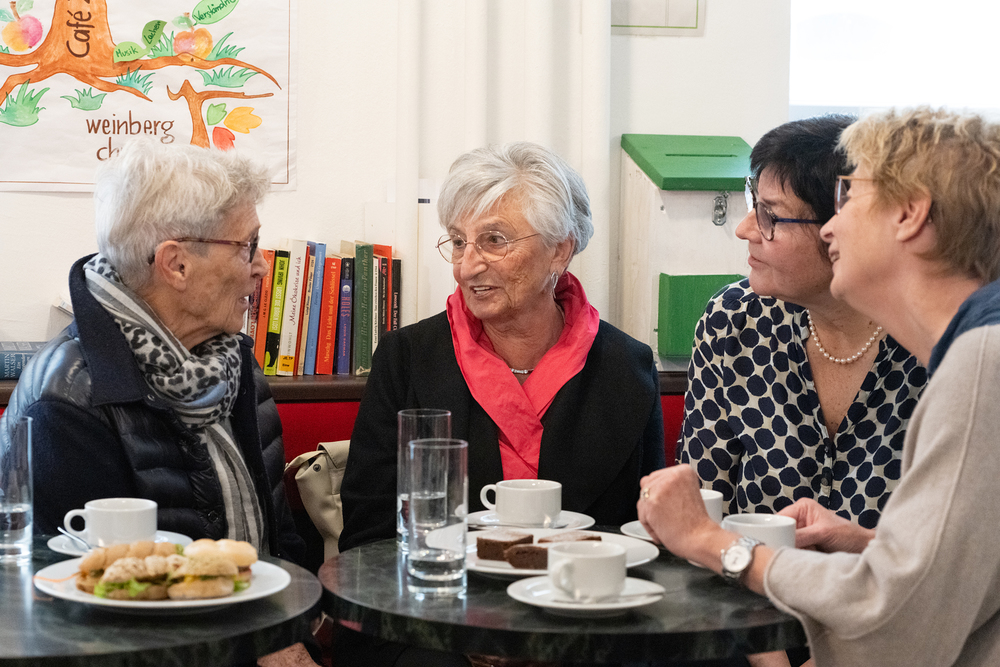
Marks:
<point>14,356</point>
<point>319,312</point>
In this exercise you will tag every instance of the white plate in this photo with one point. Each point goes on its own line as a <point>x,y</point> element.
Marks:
<point>567,520</point>
<point>65,545</point>
<point>635,529</point>
<point>540,592</point>
<point>637,552</point>
<point>267,580</point>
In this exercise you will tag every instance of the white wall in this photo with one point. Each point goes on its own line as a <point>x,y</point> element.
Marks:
<point>733,80</point>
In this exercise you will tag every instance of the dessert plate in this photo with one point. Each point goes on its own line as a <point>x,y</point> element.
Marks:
<point>635,529</point>
<point>637,552</point>
<point>540,592</point>
<point>568,520</point>
<point>64,545</point>
<point>59,581</point>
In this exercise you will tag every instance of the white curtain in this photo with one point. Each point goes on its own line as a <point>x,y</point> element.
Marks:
<point>473,72</point>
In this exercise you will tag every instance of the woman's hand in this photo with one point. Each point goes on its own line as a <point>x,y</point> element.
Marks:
<point>672,511</point>
<point>819,528</point>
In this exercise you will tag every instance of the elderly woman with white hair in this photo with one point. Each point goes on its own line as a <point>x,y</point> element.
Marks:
<point>152,391</point>
<point>537,384</point>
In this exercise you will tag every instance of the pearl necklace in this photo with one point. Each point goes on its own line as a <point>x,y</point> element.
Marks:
<point>520,371</point>
<point>847,360</point>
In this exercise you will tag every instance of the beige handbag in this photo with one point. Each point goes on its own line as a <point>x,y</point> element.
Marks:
<point>319,475</point>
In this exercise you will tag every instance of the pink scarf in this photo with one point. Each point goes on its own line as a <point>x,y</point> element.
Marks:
<point>517,409</point>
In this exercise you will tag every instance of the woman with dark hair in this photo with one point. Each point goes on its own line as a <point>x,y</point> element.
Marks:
<point>916,243</point>
<point>792,392</point>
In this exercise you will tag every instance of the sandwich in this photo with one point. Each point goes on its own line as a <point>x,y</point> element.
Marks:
<point>204,575</point>
<point>95,562</point>
<point>133,578</point>
<point>243,554</point>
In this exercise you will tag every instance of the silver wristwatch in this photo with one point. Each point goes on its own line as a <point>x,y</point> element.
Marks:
<point>737,557</point>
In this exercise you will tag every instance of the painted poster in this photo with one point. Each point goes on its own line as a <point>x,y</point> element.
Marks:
<point>80,78</point>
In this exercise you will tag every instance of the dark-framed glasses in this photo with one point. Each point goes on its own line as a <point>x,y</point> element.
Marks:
<point>492,246</point>
<point>251,246</point>
<point>766,219</point>
<point>842,194</point>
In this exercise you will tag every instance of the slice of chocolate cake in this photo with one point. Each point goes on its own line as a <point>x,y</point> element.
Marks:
<point>571,536</point>
<point>528,556</point>
<point>491,545</point>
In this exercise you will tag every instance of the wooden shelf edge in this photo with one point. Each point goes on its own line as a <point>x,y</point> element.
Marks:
<point>321,388</point>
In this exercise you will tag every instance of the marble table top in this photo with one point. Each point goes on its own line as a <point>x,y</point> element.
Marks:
<point>700,617</point>
<point>36,629</point>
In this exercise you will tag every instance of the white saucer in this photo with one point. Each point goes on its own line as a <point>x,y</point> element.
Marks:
<point>568,520</point>
<point>635,529</point>
<point>540,592</point>
<point>64,545</point>
<point>636,553</point>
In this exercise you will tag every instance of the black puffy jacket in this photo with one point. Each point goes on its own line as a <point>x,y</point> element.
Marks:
<point>98,431</point>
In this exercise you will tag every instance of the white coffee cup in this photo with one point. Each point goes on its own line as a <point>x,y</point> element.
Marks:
<point>528,502</point>
<point>114,521</point>
<point>771,529</point>
<point>587,570</point>
<point>713,504</point>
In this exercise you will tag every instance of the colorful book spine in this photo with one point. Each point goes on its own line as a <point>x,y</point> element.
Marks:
<point>376,303</point>
<point>344,324</point>
<point>361,318</point>
<point>303,336</point>
<point>264,307</point>
<point>298,264</point>
<point>312,335</point>
<point>272,344</point>
<point>397,283</point>
<point>250,317</point>
<point>326,345</point>
<point>386,296</point>
<point>14,356</point>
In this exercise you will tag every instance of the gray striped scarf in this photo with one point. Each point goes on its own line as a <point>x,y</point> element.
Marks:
<point>200,385</point>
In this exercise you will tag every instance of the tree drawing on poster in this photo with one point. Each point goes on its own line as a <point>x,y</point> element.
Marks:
<point>79,43</point>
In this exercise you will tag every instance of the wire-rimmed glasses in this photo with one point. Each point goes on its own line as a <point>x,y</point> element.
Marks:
<point>492,246</point>
<point>766,219</point>
<point>249,245</point>
<point>842,194</point>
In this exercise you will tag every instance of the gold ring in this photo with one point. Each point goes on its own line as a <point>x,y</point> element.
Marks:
<point>645,494</point>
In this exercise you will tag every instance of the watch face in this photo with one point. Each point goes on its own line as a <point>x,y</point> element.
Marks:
<point>736,558</point>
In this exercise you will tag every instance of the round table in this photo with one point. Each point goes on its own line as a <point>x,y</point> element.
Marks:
<point>36,629</point>
<point>700,617</point>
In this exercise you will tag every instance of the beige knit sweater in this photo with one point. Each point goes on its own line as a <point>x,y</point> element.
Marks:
<point>926,590</point>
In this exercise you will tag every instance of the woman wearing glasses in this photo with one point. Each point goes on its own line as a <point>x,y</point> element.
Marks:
<point>537,384</point>
<point>152,392</point>
<point>792,392</point>
<point>915,242</point>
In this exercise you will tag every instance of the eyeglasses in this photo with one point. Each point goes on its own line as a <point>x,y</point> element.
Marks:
<point>842,194</point>
<point>766,219</point>
<point>249,245</point>
<point>492,246</point>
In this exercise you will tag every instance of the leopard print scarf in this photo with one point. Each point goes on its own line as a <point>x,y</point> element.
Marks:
<point>200,385</point>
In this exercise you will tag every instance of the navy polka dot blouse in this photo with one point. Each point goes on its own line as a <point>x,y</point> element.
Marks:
<point>753,428</point>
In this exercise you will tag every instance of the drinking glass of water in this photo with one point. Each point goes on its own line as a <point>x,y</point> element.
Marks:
<point>439,490</point>
<point>15,494</point>
<point>413,425</point>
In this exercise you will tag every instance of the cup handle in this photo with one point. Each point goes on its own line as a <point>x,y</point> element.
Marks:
<point>69,517</point>
<point>561,575</point>
<point>482,495</point>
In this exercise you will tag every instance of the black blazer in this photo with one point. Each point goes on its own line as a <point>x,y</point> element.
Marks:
<point>602,432</point>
